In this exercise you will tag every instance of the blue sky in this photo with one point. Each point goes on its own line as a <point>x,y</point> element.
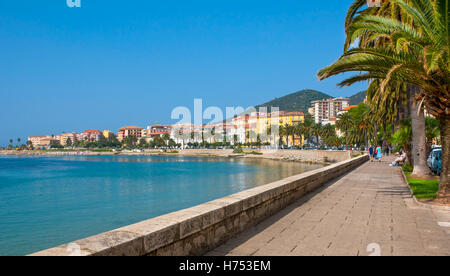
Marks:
<point>114,63</point>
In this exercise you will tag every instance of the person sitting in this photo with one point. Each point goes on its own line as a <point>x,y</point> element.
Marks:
<point>398,160</point>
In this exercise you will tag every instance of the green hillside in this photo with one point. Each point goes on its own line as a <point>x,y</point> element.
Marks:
<point>298,101</point>
<point>301,100</point>
<point>357,98</point>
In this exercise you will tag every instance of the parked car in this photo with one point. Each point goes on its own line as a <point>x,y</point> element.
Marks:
<point>434,160</point>
<point>438,165</point>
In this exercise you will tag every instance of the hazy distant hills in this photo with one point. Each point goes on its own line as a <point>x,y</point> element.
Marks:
<point>301,100</point>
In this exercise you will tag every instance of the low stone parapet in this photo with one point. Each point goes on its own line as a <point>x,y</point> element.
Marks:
<point>202,228</point>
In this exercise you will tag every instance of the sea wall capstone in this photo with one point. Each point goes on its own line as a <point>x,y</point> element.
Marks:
<point>198,230</point>
<point>314,156</point>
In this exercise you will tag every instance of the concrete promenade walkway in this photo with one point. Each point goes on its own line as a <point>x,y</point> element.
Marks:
<point>369,210</point>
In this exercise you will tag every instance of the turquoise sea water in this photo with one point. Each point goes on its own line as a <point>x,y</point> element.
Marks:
<point>49,201</point>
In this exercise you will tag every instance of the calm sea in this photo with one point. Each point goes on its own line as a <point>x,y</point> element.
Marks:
<point>49,201</point>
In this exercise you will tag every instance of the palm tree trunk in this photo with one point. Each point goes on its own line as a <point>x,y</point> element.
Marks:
<point>444,187</point>
<point>419,138</point>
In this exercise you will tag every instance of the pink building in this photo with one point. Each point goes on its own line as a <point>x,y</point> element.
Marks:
<point>92,135</point>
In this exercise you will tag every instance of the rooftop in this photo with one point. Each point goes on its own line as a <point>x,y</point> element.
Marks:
<point>350,107</point>
<point>130,128</point>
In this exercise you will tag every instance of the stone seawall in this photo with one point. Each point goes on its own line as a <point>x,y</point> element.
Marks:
<point>314,156</point>
<point>199,229</point>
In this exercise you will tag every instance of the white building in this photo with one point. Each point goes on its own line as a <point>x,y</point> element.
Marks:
<point>325,111</point>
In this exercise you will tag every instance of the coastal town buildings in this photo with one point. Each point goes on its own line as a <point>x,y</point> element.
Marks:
<point>107,134</point>
<point>324,110</point>
<point>129,131</point>
<point>259,127</point>
<point>252,131</point>
<point>91,135</point>
<point>44,141</point>
<point>157,130</point>
<point>65,137</point>
<point>292,119</point>
<point>243,129</point>
<point>183,134</point>
<point>238,130</point>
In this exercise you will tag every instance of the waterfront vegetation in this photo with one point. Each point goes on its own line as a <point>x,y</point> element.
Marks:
<point>423,188</point>
<point>402,49</point>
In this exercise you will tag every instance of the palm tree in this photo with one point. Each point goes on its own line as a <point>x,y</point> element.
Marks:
<point>299,130</point>
<point>389,106</point>
<point>11,141</point>
<point>166,138</point>
<point>316,130</point>
<point>69,142</point>
<point>281,133</point>
<point>307,127</point>
<point>344,123</point>
<point>417,56</point>
<point>328,131</point>
<point>290,132</point>
<point>181,134</point>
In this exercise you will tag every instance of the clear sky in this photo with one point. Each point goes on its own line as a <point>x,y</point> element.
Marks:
<point>112,63</point>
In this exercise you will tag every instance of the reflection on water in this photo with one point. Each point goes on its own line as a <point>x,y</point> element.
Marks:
<point>47,201</point>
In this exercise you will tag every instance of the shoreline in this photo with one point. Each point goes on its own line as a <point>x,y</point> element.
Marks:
<point>304,156</point>
<point>200,229</point>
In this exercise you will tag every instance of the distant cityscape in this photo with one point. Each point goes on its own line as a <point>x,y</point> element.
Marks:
<point>243,129</point>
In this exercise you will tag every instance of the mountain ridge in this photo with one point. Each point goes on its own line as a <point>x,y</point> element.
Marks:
<point>301,100</point>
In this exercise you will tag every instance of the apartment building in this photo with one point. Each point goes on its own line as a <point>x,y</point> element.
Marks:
<point>66,136</point>
<point>129,131</point>
<point>44,140</point>
<point>325,110</point>
<point>91,135</point>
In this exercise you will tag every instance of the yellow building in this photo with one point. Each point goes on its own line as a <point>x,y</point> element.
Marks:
<point>292,119</point>
<point>261,126</point>
<point>108,133</point>
<point>252,129</point>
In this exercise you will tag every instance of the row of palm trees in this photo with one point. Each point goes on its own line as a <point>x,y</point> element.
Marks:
<point>11,141</point>
<point>308,129</point>
<point>355,127</point>
<point>402,50</point>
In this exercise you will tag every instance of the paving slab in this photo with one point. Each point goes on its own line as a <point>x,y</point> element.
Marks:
<point>369,211</point>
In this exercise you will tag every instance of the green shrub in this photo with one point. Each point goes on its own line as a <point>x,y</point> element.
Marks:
<point>424,188</point>
<point>407,168</point>
<point>238,151</point>
<point>254,153</point>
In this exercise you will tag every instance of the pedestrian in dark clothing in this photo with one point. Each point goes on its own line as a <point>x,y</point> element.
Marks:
<point>371,153</point>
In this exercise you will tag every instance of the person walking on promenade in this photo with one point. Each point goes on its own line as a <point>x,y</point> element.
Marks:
<point>371,153</point>
<point>379,154</point>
